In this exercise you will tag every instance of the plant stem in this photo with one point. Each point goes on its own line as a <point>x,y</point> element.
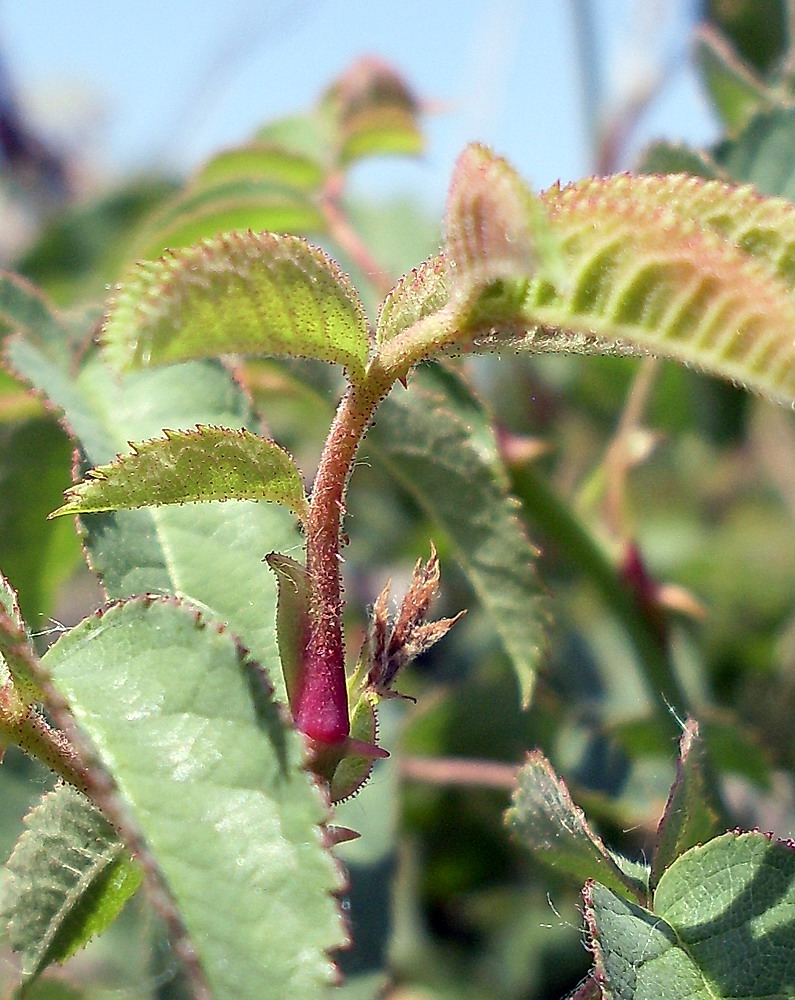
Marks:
<point>343,233</point>
<point>321,709</point>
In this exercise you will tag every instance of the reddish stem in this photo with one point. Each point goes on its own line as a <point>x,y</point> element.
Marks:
<point>321,706</point>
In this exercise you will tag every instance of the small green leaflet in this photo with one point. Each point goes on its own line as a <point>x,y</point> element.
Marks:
<point>210,463</point>
<point>240,293</point>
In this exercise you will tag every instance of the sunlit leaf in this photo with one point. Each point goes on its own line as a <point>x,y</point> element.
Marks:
<point>209,463</point>
<point>241,293</point>
<point>214,781</point>
<point>262,161</point>
<point>68,878</point>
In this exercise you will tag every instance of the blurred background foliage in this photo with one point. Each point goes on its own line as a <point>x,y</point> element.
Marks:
<point>694,475</point>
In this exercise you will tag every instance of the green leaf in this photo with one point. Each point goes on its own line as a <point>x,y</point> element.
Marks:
<point>209,463</point>
<point>23,307</point>
<point>262,161</point>
<point>216,785</point>
<point>720,928</point>
<point>689,817</point>
<point>762,153</point>
<point>241,293</point>
<point>245,203</point>
<point>420,293</point>
<point>375,111</point>
<point>67,880</point>
<point>212,552</point>
<point>292,618</point>
<point>436,441</point>
<point>675,158</point>
<point>735,91</point>
<point>545,820</point>
<point>654,268</point>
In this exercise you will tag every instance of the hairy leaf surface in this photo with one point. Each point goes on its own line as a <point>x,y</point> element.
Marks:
<point>241,293</point>
<point>436,441</point>
<point>68,878</point>
<point>216,784</point>
<point>209,463</point>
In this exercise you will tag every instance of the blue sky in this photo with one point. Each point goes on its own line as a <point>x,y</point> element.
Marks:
<point>164,83</point>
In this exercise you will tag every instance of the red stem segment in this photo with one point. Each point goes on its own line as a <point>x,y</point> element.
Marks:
<point>321,707</point>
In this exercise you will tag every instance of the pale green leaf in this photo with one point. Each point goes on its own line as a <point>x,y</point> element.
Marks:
<point>436,441</point>
<point>546,820</point>
<point>262,161</point>
<point>216,785</point>
<point>420,293</point>
<point>68,878</point>
<point>721,927</point>
<point>209,463</point>
<point>241,293</point>
<point>664,157</point>
<point>23,307</point>
<point>690,816</point>
<point>245,203</point>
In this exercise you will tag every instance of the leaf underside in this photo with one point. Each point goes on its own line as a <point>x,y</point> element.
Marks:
<point>216,785</point>
<point>209,463</point>
<point>68,877</point>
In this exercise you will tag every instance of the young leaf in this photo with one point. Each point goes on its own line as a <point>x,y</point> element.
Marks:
<point>375,112</point>
<point>212,552</point>
<point>67,880</point>
<point>265,161</point>
<point>215,784</point>
<point>720,927</point>
<point>209,463</point>
<point>689,817</point>
<point>546,820</point>
<point>17,655</point>
<point>436,441</point>
<point>22,307</point>
<point>292,619</point>
<point>240,293</point>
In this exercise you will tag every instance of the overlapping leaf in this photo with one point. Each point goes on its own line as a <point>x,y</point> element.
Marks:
<point>216,785</point>
<point>67,880</point>
<point>241,293</point>
<point>209,463</point>
<point>721,926</point>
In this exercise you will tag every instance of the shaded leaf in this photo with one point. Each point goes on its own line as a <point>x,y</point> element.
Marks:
<point>546,820</point>
<point>720,928</point>
<point>436,441</point>
<point>68,878</point>
<point>762,153</point>
<point>241,293</point>
<point>209,463</point>
<point>292,618</point>
<point>675,158</point>
<point>735,91</point>
<point>689,817</point>
<point>215,782</point>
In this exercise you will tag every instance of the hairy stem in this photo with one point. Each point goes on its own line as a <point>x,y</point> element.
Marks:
<point>321,709</point>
